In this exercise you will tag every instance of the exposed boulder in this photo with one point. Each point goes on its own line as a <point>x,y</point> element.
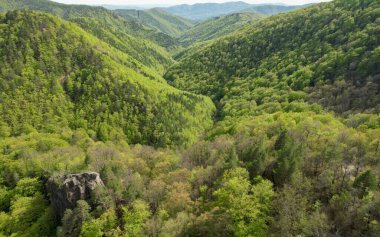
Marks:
<point>66,190</point>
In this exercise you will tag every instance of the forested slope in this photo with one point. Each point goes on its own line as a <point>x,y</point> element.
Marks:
<point>328,54</point>
<point>151,55</point>
<point>161,20</point>
<point>217,27</point>
<point>106,18</point>
<point>54,75</point>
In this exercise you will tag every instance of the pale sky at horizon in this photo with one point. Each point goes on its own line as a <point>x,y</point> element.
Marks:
<point>176,2</point>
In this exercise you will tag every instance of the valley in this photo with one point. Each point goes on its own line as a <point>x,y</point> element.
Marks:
<point>228,119</point>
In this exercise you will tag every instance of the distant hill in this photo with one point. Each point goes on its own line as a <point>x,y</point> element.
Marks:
<point>218,26</point>
<point>204,11</point>
<point>271,9</point>
<point>161,20</point>
<point>107,18</point>
<point>134,7</point>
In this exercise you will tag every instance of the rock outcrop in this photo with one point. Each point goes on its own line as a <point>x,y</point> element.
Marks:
<point>66,190</point>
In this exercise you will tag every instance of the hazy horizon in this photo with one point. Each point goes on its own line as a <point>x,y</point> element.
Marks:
<point>177,2</point>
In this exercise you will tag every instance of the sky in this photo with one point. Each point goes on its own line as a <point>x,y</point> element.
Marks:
<point>176,2</point>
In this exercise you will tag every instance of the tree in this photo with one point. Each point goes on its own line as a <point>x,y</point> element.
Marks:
<point>365,182</point>
<point>73,219</point>
<point>135,218</point>
<point>247,205</point>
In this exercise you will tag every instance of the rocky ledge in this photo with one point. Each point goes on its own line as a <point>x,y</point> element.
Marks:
<point>66,190</point>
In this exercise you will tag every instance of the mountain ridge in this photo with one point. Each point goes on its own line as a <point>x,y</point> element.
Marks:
<point>170,24</point>
<point>106,17</point>
<point>204,11</point>
<point>217,27</point>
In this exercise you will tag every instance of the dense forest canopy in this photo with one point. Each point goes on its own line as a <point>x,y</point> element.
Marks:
<point>263,127</point>
<point>55,75</point>
<point>317,55</point>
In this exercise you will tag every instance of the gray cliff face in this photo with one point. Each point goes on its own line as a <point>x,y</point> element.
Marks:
<point>66,190</point>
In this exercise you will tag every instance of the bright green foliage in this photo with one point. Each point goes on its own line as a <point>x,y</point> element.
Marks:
<point>28,187</point>
<point>28,212</point>
<point>134,219</point>
<point>59,76</point>
<point>145,52</point>
<point>248,206</point>
<point>101,226</point>
<point>161,20</point>
<point>217,27</point>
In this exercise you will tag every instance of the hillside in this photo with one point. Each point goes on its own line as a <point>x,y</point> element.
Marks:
<point>317,55</point>
<point>151,55</point>
<point>204,11</point>
<point>217,27</point>
<point>58,76</point>
<point>107,18</point>
<point>159,19</point>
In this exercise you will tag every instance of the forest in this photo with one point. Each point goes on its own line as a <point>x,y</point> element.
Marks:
<point>250,124</point>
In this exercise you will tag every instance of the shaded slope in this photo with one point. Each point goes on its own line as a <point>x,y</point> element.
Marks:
<point>54,75</point>
<point>326,54</point>
<point>159,19</point>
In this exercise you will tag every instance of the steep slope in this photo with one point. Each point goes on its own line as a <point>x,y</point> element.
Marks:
<point>146,52</point>
<point>159,19</point>
<point>106,17</point>
<point>327,54</point>
<point>54,76</point>
<point>217,27</point>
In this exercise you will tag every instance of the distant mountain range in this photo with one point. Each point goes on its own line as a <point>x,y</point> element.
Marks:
<point>134,7</point>
<point>204,11</point>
